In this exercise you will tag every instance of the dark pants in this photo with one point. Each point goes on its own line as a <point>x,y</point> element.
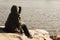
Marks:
<point>25,29</point>
<point>22,29</point>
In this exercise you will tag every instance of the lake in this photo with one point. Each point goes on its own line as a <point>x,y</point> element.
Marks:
<point>37,14</point>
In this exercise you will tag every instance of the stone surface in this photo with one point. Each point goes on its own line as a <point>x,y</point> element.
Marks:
<point>37,34</point>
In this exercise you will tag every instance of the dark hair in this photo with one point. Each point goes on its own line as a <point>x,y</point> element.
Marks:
<point>14,8</point>
<point>20,9</point>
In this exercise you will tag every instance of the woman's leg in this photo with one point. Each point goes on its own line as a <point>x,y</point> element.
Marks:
<point>26,31</point>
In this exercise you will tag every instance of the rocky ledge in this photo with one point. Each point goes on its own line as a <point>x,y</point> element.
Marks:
<point>37,34</point>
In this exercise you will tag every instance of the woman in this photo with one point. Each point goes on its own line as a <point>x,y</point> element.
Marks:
<point>14,23</point>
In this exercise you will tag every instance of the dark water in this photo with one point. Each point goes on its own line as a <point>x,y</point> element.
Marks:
<point>41,14</point>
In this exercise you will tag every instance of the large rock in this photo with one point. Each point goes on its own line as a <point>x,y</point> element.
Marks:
<point>37,34</point>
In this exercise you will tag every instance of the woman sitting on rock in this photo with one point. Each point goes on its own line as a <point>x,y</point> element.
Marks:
<point>14,22</point>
